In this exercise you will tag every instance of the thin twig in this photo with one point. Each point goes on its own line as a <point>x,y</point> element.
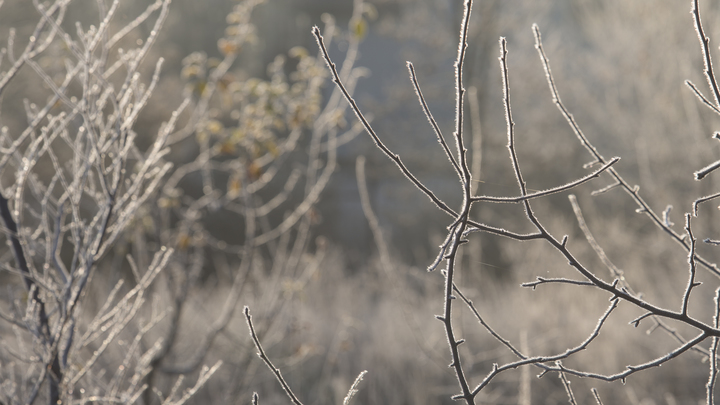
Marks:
<point>354,388</point>
<point>632,191</point>
<point>700,174</point>
<point>566,384</point>
<point>691,263</point>
<point>538,360</point>
<point>267,361</point>
<point>549,191</point>
<point>702,98</point>
<point>431,119</point>
<point>701,200</point>
<point>378,142</point>
<point>707,59</point>
<point>622,376</point>
<point>460,98</point>
<point>712,378</point>
<point>543,280</point>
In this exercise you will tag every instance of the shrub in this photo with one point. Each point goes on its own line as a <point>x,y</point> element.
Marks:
<point>113,230</point>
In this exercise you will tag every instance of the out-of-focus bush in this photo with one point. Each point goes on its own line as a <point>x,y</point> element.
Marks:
<point>130,243</point>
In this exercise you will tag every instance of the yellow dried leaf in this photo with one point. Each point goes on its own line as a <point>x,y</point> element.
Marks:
<point>183,241</point>
<point>199,87</point>
<point>238,134</point>
<point>254,171</point>
<point>227,47</point>
<point>215,127</point>
<point>359,28</point>
<point>227,148</point>
<point>234,186</point>
<point>272,148</point>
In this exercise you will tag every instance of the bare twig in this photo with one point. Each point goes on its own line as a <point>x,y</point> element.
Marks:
<point>267,361</point>
<point>643,207</point>
<point>366,124</point>
<point>539,360</point>
<point>566,384</point>
<point>431,119</point>
<point>705,101</point>
<point>691,263</point>
<point>700,174</point>
<point>707,60</point>
<point>713,360</point>
<point>547,192</point>
<point>354,388</point>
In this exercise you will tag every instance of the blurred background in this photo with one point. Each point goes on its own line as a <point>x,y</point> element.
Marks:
<point>620,68</point>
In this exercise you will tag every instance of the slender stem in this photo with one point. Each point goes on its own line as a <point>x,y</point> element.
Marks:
<point>632,191</point>
<point>554,190</point>
<point>705,45</point>
<point>378,142</point>
<point>712,379</point>
<point>266,359</point>
<point>692,267</point>
<point>428,114</point>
